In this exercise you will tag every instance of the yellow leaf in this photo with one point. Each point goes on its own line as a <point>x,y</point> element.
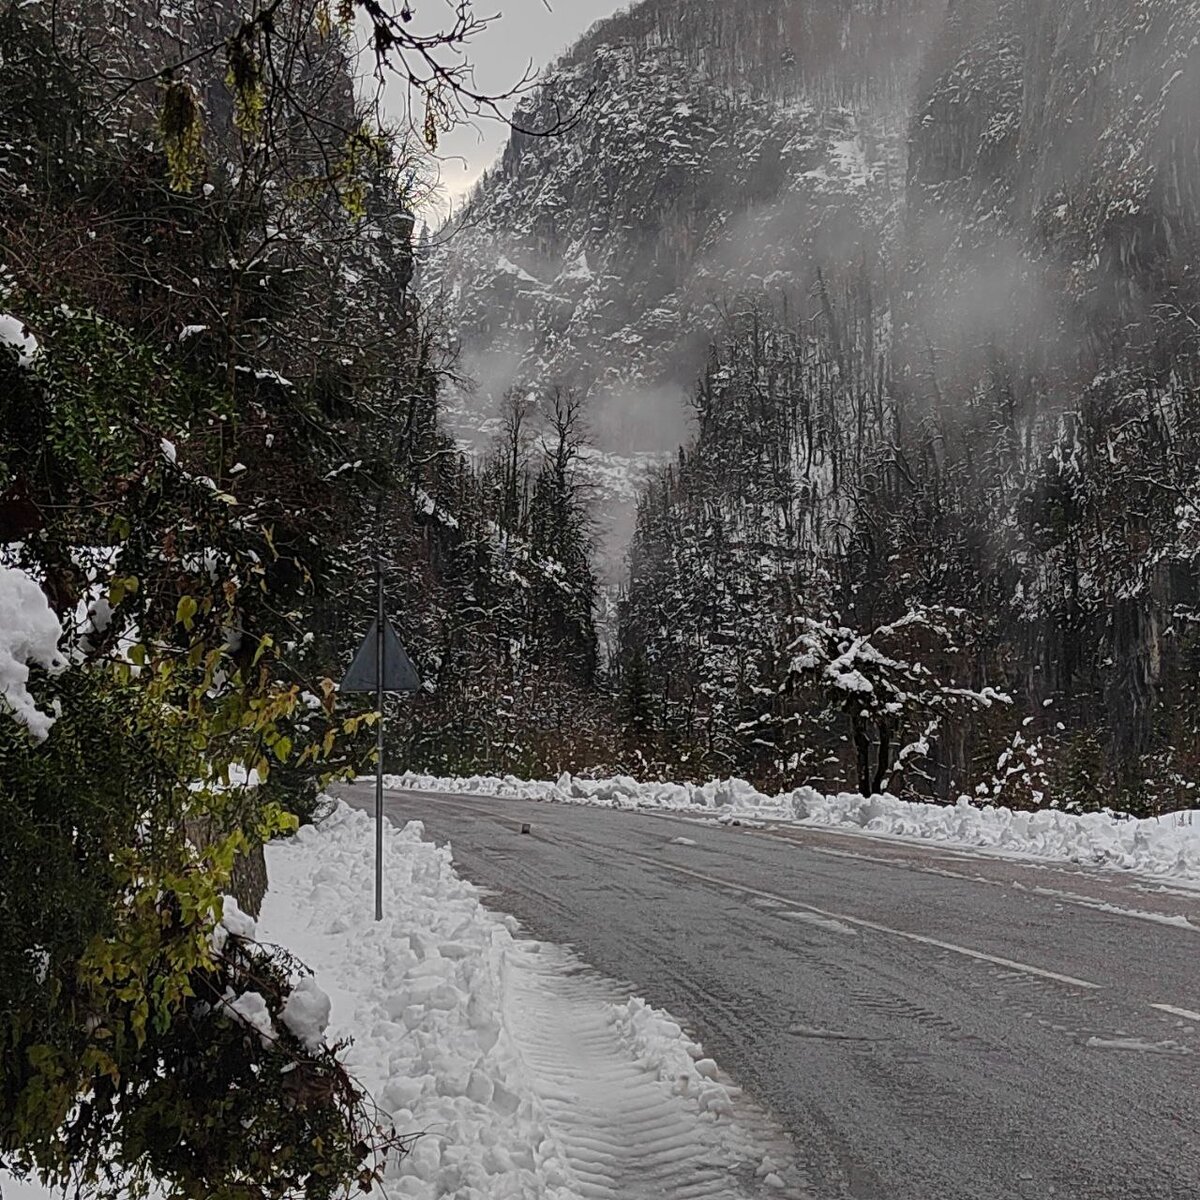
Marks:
<point>185,611</point>
<point>121,587</point>
<point>265,643</point>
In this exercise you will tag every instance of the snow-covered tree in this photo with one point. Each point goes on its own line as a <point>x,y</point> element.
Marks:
<point>895,706</point>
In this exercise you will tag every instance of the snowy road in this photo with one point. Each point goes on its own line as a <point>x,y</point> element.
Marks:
<point>926,1023</point>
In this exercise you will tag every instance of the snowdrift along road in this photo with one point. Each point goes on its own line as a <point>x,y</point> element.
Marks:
<point>1167,846</point>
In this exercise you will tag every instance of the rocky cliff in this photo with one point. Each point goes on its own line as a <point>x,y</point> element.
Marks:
<point>723,151</point>
<point>1011,185</point>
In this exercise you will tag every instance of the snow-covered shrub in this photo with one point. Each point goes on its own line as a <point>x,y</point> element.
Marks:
<point>126,810</point>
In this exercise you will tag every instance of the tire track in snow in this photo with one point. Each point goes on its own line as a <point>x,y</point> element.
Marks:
<point>626,1133</point>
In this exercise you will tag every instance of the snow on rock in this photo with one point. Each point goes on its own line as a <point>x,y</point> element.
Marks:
<point>507,267</point>
<point>577,268</point>
<point>29,633</point>
<point>14,333</point>
<point>1153,846</point>
<point>451,1018</point>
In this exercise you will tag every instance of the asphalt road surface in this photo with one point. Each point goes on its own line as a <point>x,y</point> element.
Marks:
<point>927,1024</point>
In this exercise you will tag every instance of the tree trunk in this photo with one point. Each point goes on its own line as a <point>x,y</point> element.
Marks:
<point>883,762</point>
<point>862,748</point>
<point>248,882</point>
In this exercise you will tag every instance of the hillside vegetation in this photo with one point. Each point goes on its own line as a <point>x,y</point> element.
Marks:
<point>921,278</point>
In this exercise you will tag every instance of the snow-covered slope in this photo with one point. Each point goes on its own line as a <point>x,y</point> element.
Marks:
<point>724,156</point>
<point>722,152</point>
<point>727,149</point>
<point>1012,188</point>
<point>30,634</point>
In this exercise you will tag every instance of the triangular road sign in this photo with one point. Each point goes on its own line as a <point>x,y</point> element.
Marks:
<point>399,675</point>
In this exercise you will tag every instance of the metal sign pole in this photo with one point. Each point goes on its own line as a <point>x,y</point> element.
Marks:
<point>380,665</point>
<point>379,740</point>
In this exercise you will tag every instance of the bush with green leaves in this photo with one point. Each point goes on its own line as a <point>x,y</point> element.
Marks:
<point>123,1058</point>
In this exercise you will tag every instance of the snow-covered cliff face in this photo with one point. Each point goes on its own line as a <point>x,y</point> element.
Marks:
<point>1013,185</point>
<point>1053,199</point>
<point>723,150</point>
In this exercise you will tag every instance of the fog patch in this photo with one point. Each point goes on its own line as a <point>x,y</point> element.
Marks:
<point>649,418</point>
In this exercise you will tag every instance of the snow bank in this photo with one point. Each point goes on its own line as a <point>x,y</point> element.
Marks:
<point>424,995</point>
<point>1152,846</point>
<point>420,995</point>
<point>29,633</point>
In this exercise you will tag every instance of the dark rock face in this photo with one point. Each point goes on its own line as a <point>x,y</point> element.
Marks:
<point>1056,144</point>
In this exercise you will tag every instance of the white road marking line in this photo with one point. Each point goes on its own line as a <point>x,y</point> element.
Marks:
<point>966,952</point>
<point>1096,903</point>
<point>1024,968</point>
<point>1186,1014</point>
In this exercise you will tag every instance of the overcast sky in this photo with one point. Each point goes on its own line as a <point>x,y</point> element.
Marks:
<point>527,31</point>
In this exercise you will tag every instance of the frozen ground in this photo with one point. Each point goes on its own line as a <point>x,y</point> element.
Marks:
<point>1166,847</point>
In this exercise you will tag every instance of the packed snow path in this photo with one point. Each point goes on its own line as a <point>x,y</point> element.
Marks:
<point>923,1021</point>
<point>626,1133</point>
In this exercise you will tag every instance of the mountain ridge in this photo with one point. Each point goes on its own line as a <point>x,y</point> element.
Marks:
<point>677,189</point>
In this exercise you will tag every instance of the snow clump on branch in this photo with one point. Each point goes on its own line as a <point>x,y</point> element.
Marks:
<point>29,633</point>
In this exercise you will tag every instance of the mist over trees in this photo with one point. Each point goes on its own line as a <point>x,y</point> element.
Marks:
<point>936,316</point>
